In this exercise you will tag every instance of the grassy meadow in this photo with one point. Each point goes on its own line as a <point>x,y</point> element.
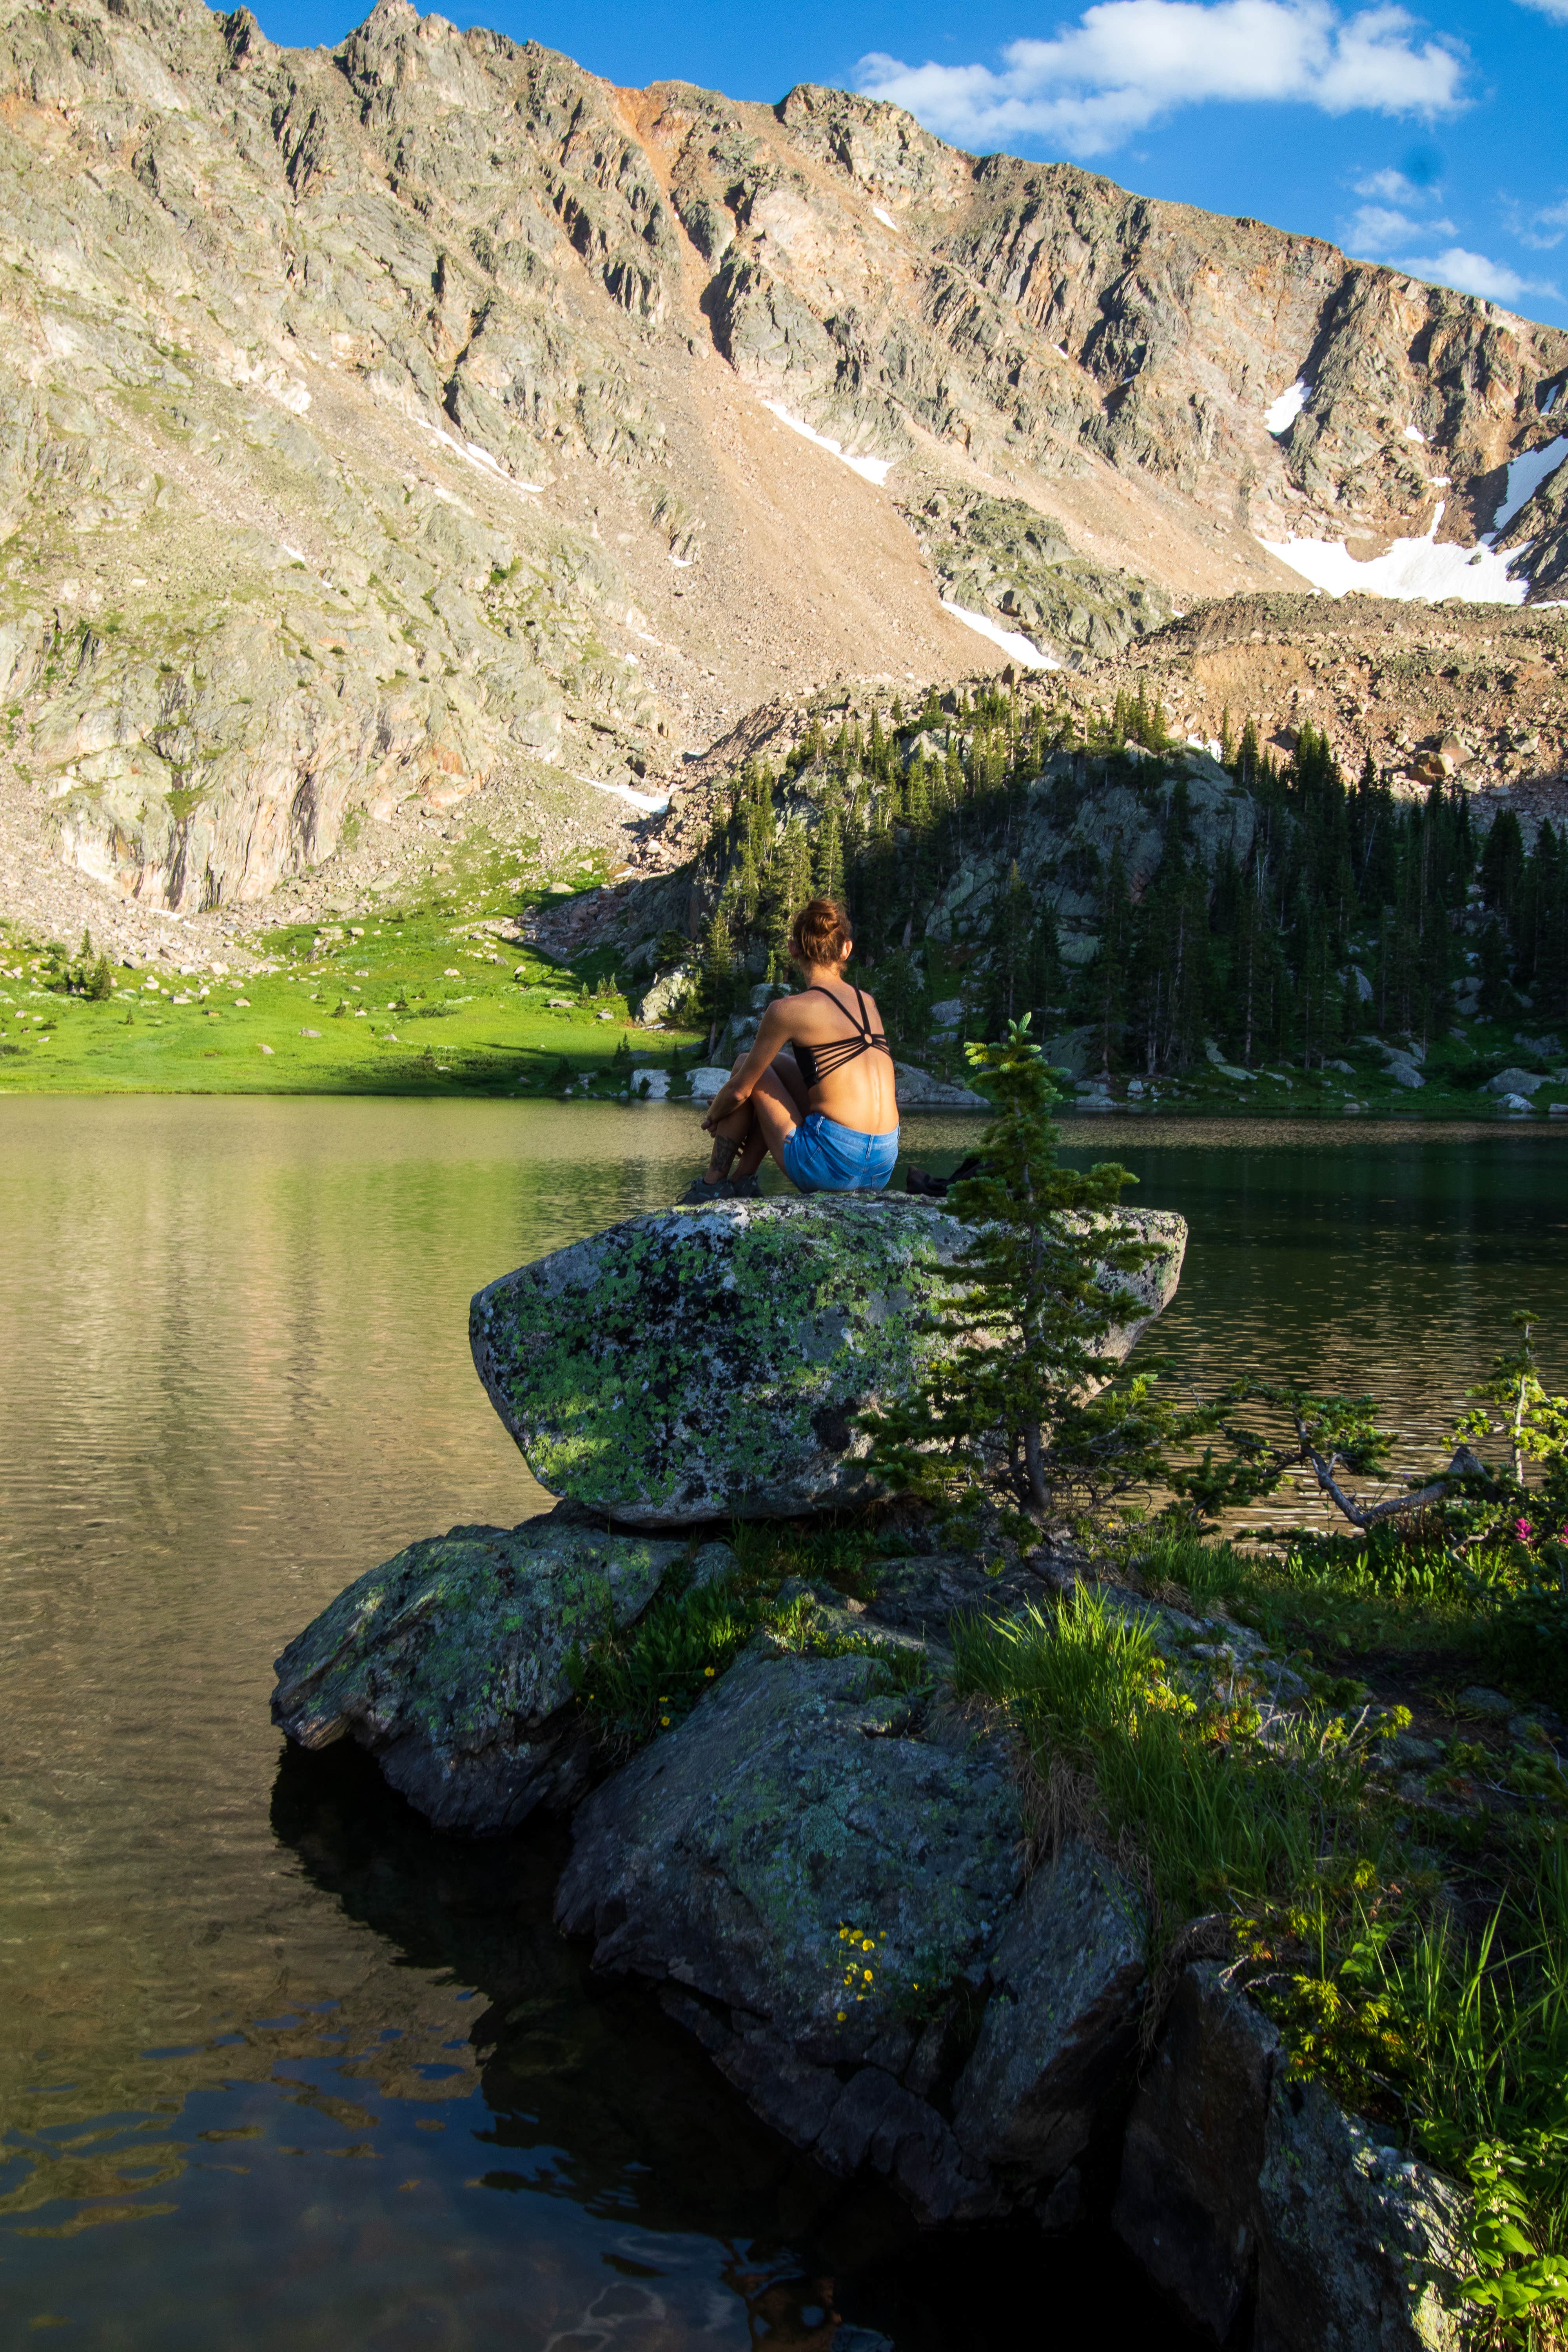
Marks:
<point>430,998</point>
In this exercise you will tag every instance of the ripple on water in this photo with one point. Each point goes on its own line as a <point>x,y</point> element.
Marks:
<point>273,2061</point>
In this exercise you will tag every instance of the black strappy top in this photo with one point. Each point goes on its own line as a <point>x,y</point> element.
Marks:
<point>818,1062</point>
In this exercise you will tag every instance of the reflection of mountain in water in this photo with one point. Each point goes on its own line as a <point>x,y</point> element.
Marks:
<point>598,2098</point>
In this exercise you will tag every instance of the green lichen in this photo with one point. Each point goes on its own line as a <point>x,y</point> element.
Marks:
<point>697,1362</point>
<point>463,1637</point>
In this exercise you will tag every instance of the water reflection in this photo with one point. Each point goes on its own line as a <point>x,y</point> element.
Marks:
<point>274,2065</point>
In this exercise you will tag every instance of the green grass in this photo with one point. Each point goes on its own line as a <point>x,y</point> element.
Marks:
<point>1414,1958</point>
<point>1218,1820</point>
<point>644,1679</point>
<point>406,1001</point>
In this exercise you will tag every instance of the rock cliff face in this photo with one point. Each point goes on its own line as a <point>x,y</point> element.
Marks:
<point>382,426</point>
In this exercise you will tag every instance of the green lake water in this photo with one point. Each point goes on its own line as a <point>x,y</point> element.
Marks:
<point>279,2068</point>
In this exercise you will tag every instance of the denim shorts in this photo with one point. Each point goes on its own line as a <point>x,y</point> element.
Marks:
<point>823,1156</point>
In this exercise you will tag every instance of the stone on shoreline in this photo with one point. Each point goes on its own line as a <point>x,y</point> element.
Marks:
<point>1061,2029</point>
<point>1240,2183</point>
<point>448,1663</point>
<point>804,1797</point>
<point>709,1361</point>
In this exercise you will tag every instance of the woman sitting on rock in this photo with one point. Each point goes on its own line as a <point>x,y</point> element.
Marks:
<point>829,1116</point>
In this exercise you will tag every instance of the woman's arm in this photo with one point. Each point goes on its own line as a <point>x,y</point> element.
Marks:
<point>772,1035</point>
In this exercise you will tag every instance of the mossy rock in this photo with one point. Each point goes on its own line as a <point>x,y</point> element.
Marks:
<point>711,1361</point>
<point>448,1663</point>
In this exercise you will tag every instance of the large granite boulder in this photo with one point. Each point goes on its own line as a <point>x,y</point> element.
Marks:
<point>808,1865</point>
<point>1243,2187</point>
<point>450,1663</point>
<point>711,1361</point>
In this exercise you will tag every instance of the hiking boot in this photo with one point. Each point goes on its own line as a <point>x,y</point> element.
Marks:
<point>696,1195</point>
<point>744,1188</point>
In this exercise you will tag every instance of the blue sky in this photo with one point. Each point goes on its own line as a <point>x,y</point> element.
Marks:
<point>1433,139</point>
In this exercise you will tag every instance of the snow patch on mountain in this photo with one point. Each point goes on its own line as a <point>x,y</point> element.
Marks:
<point>1282,414</point>
<point>1012,642</point>
<point>870,469</point>
<point>1411,568</point>
<point>1525,475</point>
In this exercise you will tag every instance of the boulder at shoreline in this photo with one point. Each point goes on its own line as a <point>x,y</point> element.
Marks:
<point>710,1363</point>
<point>448,1663</point>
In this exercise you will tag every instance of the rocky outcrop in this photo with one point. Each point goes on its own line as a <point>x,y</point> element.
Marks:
<point>805,1865</point>
<point>1061,2030</point>
<point>450,1663</point>
<point>712,1360</point>
<point>820,1872</point>
<point>1009,561</point>
<point>1242,2188</point>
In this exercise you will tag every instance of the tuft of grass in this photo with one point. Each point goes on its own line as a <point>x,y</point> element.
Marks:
<point>839,1553</point>
<point>1206,1815</point>
<point>646,1677</point>
<point>639,1680</point>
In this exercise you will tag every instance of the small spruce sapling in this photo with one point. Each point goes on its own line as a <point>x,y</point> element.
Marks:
<point>1513,1404</point>
<point>1017,1417</point>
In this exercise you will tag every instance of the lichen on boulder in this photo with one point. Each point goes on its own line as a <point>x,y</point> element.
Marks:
<point>807,1865</point>
<point>1244,2184</point>
<point>448,1663</point>
<point>712,1362</point>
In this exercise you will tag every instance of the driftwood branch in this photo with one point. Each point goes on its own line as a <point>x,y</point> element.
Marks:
<point>1361,1515</point>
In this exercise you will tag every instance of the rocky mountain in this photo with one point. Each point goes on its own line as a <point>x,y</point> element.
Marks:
<point>427,432</point>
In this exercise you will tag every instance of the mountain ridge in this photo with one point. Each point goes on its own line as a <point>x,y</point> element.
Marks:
<point>426,432</point>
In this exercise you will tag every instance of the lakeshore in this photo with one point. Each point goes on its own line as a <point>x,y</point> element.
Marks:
<point>237,1376</point>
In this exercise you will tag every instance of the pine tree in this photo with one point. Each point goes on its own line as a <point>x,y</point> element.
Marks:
<point>1502,866</point>
<point>1005,1417</point>
<point>1011,924</point>
<point>716,984</point>
<point>829,855</point>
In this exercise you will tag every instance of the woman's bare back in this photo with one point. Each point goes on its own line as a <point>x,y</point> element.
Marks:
<point>859,1092</point>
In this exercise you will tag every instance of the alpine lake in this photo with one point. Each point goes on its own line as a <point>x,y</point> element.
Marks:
<point>278,2066</point>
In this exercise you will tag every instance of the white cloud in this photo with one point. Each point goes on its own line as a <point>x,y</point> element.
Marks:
<point>1556,9</point>
<point>1376,229</point>
<point>1127,62</point>
<point>1543,229</point>
<point>1473,273</point>
<point>1390,187</point>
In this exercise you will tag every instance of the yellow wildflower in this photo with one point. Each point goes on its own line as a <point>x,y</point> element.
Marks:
<point>665,1721</point>
<point>842,2015</point>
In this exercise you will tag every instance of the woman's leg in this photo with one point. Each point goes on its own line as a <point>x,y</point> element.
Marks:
<point>785,1090</point>
<point>778,1114</point>
<point>730,1142</point>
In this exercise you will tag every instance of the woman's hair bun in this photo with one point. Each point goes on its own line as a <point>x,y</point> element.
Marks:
<point>820,933</point>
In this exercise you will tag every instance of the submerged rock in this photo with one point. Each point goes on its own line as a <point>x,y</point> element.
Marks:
<point>448,1663</point>
<point>709,1361</point>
